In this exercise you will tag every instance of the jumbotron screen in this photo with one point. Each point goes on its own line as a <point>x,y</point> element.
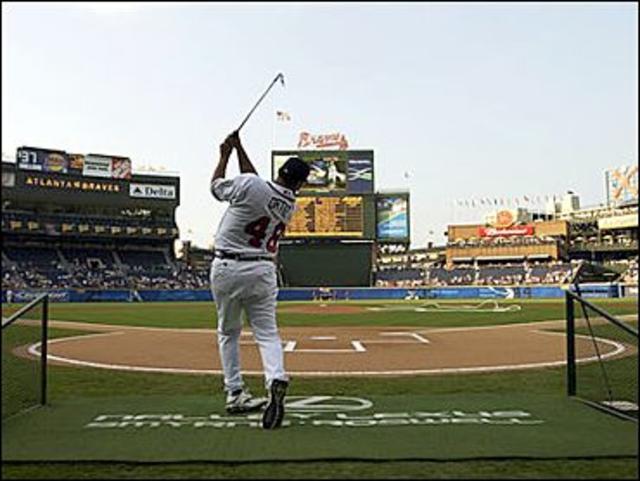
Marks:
<point>393,217</point>
<point>327,217</point>
<point>338,172</point>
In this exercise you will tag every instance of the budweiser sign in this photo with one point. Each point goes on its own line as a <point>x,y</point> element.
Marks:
<point>510,231</point>
<point>322,141</point>
<point>504,218</point>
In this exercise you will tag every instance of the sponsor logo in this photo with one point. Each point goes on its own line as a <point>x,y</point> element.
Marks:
<point>622,184</point>
<point>512,231</point>
<point>360,170</point>
<point>28,296</point>
<point>55,163</point>
<point>618,222</point>
<point>97,166</point>
<point>504,218</point>
<point>152,191</point>
<point>76,161</point>
<point>29,159</point>
<point>121,168</point>
<point>318,411</point>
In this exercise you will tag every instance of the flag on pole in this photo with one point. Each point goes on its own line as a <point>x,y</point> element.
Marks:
<point>283,116</point>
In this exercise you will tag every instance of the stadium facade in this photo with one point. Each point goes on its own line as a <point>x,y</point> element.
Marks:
<point>85,221</point>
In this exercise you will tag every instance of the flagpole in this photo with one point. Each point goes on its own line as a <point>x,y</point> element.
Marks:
<point>273,125</point>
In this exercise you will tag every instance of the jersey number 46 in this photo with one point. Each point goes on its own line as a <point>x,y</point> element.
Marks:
<point>258,231</point>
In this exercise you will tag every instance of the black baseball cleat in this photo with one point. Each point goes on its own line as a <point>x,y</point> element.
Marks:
<point>274,413</point>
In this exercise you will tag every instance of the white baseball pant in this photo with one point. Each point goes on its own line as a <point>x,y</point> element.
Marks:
<point>248,286</point>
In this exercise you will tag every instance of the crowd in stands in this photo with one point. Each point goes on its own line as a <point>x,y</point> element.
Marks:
<point>630,276</point>
<point>524,273</point>
<point>91,268</point>
<point>44,267</point>
<point>513,241</point>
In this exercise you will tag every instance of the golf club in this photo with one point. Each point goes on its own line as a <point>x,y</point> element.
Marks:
<point>280,77</point>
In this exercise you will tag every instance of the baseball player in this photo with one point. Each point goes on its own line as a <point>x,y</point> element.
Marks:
<point>243,273</point>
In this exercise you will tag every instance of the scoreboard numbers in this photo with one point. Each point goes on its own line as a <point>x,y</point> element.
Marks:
<point>327,217</point>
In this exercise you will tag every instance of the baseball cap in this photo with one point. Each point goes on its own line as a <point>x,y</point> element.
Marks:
<point>294,170</point>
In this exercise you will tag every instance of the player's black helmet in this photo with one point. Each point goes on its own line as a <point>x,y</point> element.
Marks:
<point>294,171</point>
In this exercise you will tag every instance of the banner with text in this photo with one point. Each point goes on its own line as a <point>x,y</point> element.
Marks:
<point>152,191</point>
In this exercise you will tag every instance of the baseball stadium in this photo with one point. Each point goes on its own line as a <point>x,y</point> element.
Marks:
<point>510,351</point>
<point>319,240</point>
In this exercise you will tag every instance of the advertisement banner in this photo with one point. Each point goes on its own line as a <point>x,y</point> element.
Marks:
<point>55,162</point>
<point>21,296</point>
<point>121,168</point>
<point>97,166</point>
<point>152,191</point>
<point>76,163</point>
<point>618,222</point>
<point>360,175</point>
<point>307,294</point>
<point>622,184</point>
<point>392,218</point>
<point>30,158</point>
<point>511,231</point>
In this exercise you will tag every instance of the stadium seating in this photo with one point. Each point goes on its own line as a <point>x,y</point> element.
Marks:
<point>491,274</point>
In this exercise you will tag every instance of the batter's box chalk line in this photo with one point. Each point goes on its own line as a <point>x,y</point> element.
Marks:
<point>357,346</point>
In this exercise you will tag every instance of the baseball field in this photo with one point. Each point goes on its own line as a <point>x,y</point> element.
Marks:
<point>380,389</point>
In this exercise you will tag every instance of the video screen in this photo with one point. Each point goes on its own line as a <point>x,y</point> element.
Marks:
<point>328,171</point>
<point>393,218</point>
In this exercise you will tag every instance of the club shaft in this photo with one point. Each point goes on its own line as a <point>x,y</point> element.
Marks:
<point>259,100</point>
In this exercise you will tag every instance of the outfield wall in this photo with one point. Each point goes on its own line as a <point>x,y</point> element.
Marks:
<point>341,293</point>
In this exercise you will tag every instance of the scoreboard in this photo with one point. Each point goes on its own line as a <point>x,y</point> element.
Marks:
<point>337,202</point>
<point>327,217</point>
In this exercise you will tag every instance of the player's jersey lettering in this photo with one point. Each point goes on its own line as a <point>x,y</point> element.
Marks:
<point>256,217</point>
<point>279,208</point>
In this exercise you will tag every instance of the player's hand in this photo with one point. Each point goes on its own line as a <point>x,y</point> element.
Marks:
<point>234,139</point>
<point>225,148</point>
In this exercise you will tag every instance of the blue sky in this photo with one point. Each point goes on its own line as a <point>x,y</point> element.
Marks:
<point>458,101</point>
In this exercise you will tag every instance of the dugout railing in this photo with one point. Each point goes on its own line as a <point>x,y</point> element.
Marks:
<point>602,357</point>
<point>24,381</point>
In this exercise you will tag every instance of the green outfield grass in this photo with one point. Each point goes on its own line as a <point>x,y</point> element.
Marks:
<point>67,383</point>
<point>202,314</point>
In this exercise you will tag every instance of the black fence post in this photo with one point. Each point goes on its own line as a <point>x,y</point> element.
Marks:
<point>43,349</point>
<point>571,345</point>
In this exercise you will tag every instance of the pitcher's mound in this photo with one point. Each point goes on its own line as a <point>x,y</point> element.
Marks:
<point>323,308</point>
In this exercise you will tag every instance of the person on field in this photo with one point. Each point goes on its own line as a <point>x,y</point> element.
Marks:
<point>243,273</point>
